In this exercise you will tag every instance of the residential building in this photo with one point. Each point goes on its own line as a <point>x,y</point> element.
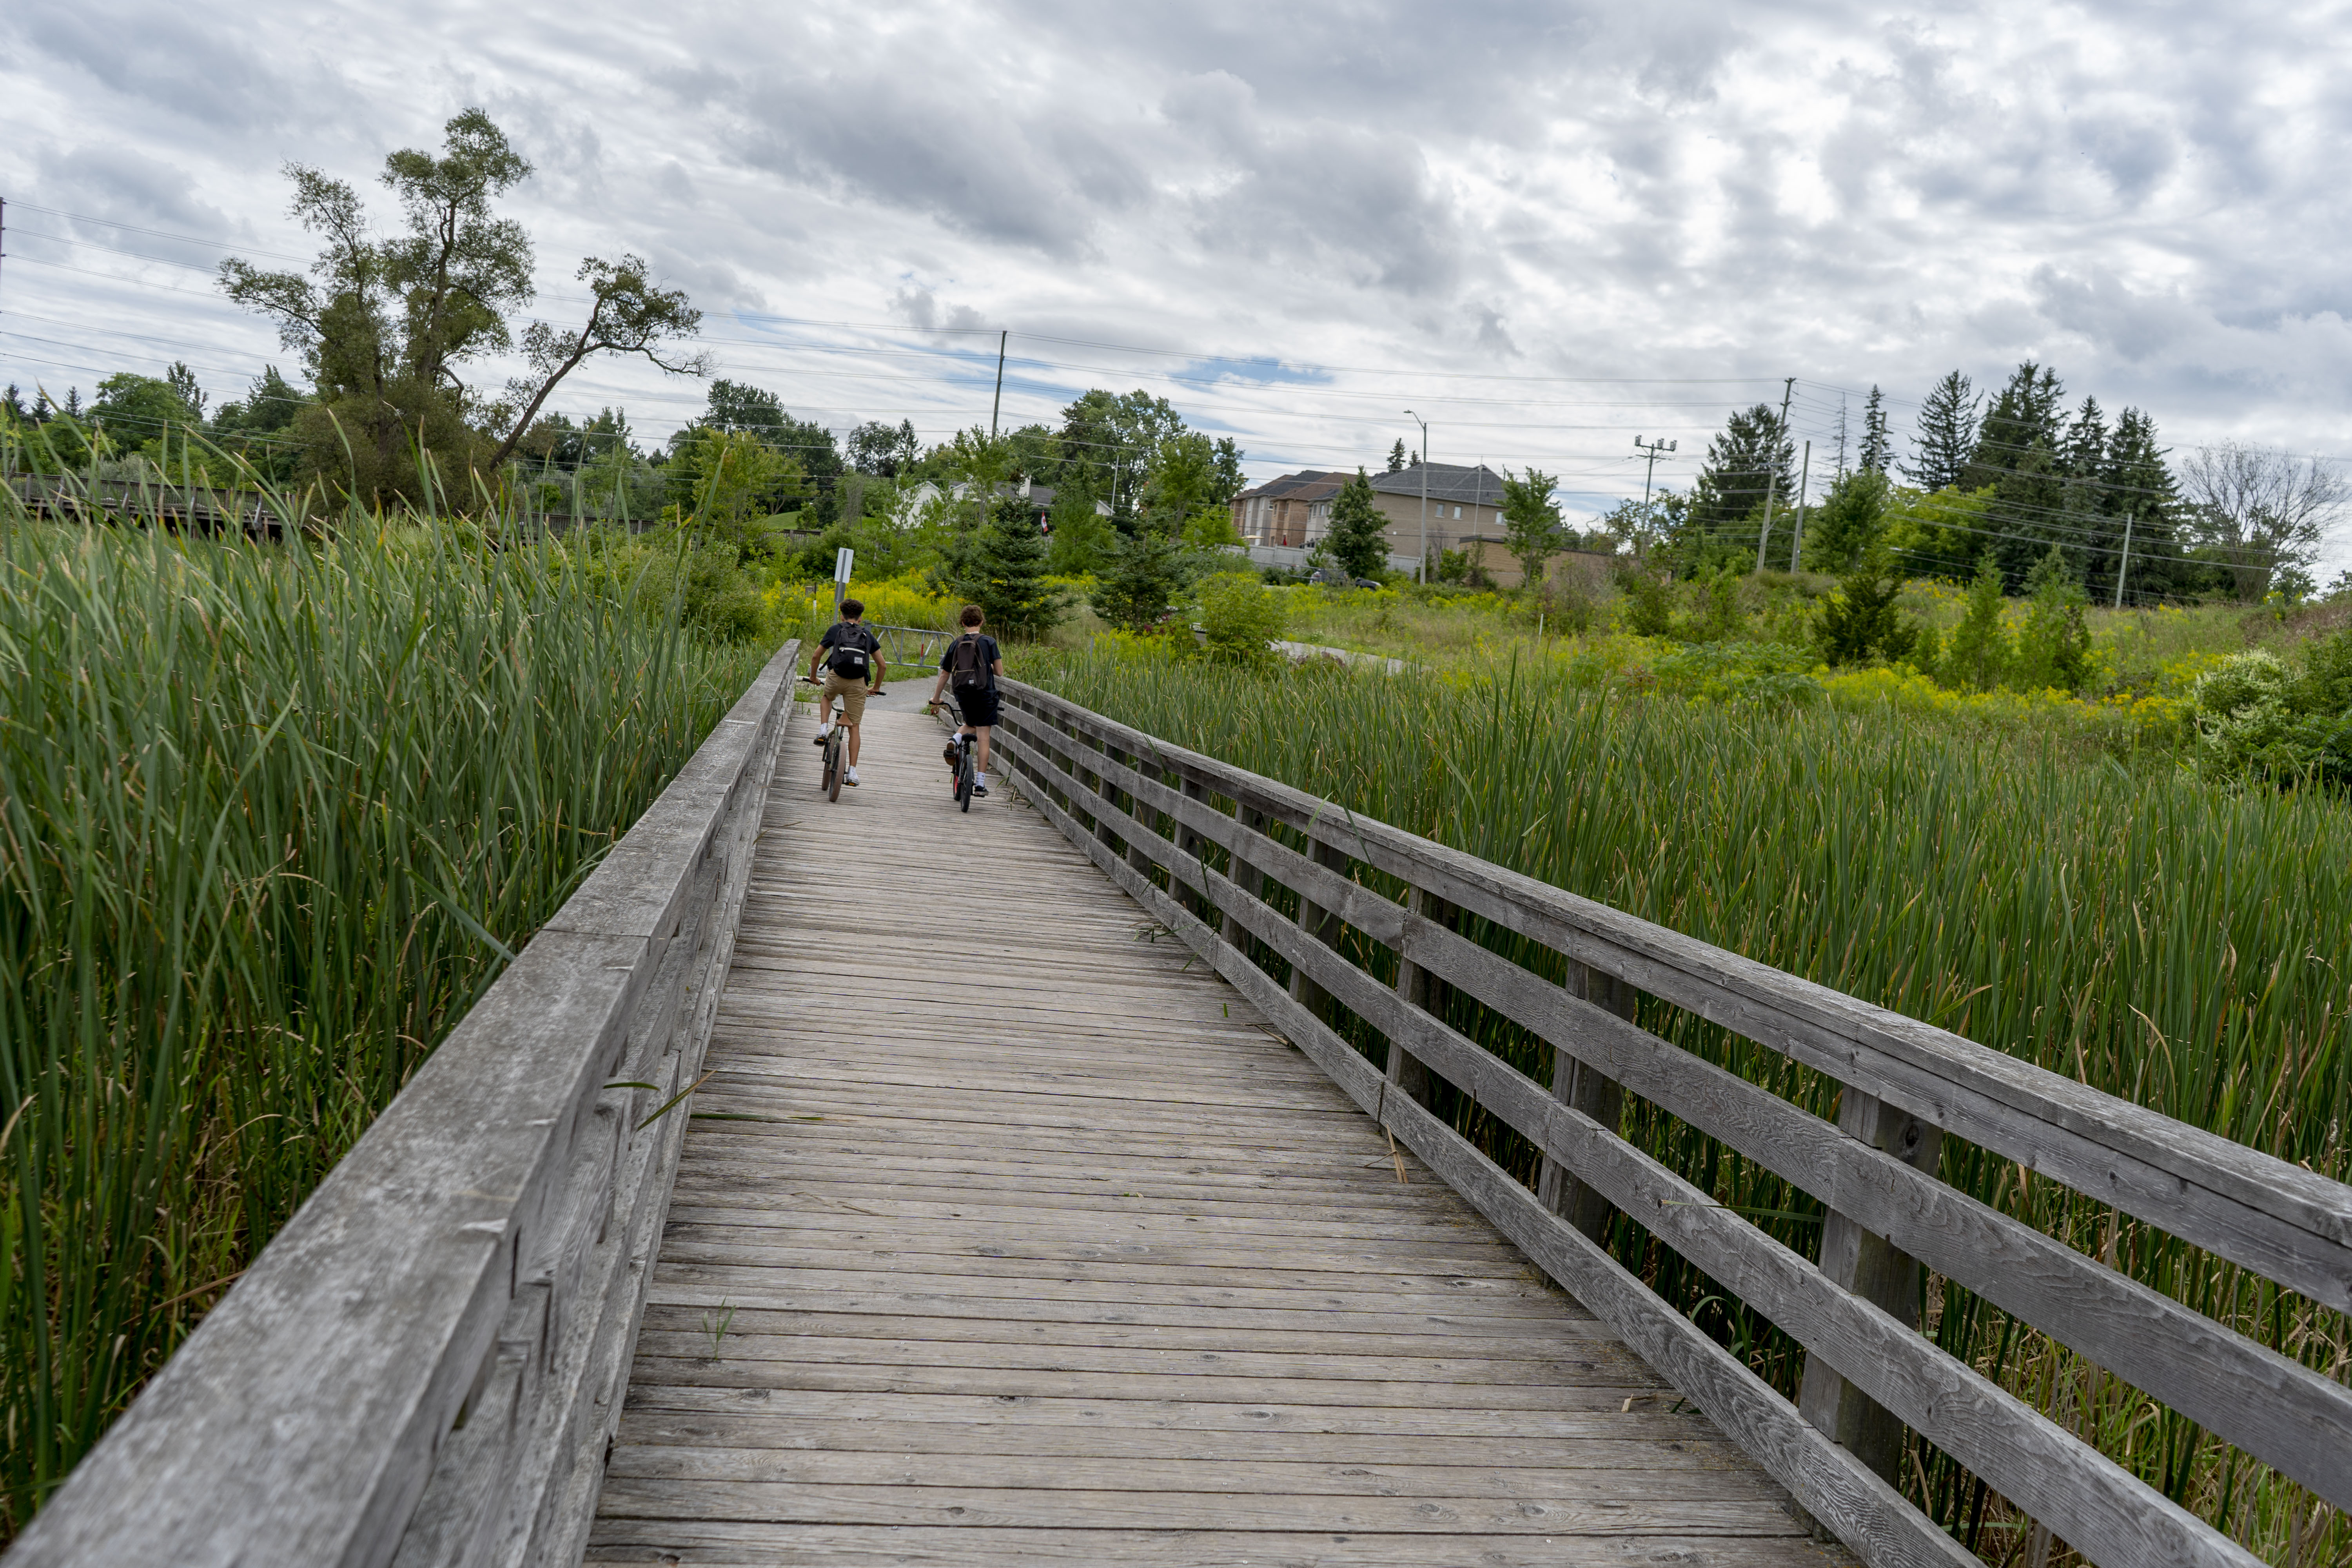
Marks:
<point>1465,506</point>
<point>1292,510</point>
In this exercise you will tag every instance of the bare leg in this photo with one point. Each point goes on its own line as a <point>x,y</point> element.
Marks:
<point>982,732</point>
<point>853,746</point>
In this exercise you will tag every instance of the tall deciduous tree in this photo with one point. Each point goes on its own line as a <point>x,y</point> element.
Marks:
<point>2259,509</point>
<point>1532,529</point>
<point>1948,434</point>
<point>1358,539</point>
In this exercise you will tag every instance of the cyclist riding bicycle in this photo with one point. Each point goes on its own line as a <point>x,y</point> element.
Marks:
<point>968,669</point>
<point>851,656</point>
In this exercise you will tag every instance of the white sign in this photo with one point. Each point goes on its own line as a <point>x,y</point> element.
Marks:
<point>841,565</point>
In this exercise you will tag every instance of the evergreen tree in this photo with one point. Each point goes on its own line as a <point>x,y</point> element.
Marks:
<point>1149,573</point>
<point>1752,455</point>
<point>1396,457</point>
<point>1859,623</point>
<point>2023,418</point>
<point>1978,656</point>
<point>1001,567</point>
<point>1948,434</point>
<point>2139,495</point>
<point>1357,538</point>
<point>1850,522</point>
<point>1877,448</point>
<point>1083,538</point>
<point>1532,530</point>
<point>2053,646</point>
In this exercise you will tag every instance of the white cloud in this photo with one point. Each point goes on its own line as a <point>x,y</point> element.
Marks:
<point>2147,197</point>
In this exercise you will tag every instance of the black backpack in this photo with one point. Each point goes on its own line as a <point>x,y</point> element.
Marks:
<point>966,669</point>
<point>850,659</point>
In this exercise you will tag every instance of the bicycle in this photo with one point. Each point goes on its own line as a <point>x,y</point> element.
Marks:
<point>966,770</point>
<point>835,755</point>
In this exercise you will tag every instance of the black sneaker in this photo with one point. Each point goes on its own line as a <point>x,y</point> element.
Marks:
<point>979,790</point>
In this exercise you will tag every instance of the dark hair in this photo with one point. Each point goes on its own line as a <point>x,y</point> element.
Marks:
<point>851,609</point>
<point>971,616</point>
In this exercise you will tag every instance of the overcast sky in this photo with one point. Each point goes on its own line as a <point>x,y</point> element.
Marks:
<point>1549,227</point>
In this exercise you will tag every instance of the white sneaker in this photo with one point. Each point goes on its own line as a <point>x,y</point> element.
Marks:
<point>850,777</point>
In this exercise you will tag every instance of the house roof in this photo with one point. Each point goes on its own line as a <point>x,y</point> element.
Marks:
<point>1450,482</point>
<point>1313,484</point>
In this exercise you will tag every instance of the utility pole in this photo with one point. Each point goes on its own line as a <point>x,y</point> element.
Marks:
<point>1423,466</point>
<point>1650,449</point>
<point>2124,565</point>
<point>999,403</point>
<point>1772,468</point>
<point>1804,489</point>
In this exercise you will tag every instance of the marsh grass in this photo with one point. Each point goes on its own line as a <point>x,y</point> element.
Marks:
<point>271,817</point>
<point>2178,946</point>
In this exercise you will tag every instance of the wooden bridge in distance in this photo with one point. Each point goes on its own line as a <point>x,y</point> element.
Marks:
<point>871,1183</point>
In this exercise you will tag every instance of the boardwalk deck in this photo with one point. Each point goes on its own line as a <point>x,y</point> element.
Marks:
<point>1031,1245</point>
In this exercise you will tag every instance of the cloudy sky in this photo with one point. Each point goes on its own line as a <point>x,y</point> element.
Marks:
<point>1548,228</point>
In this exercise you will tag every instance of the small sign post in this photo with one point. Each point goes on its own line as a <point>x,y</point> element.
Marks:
<point>841,564</point>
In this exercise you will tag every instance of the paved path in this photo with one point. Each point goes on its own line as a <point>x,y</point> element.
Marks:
<point>1029,1245</point>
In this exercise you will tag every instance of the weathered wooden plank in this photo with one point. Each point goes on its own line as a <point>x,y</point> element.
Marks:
<point>2291,1224</point>
<point>893,1505</point>
<point>962,1545</point>
<point>2286,1412</point>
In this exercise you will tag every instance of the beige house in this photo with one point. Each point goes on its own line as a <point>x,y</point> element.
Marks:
<point>1292,510</point>
<point>1466,509</point>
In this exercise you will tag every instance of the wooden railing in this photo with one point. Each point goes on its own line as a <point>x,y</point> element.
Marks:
<point>1204,847</point>
<point>425,1366</point>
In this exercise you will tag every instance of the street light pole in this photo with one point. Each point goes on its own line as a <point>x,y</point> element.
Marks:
<point>1423,466</point>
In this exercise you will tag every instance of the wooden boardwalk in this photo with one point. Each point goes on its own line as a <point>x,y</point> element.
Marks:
<point>1029,1244</point>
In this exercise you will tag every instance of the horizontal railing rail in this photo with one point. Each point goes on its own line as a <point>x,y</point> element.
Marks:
<point>425,1366</point>
<point>1195,842</point>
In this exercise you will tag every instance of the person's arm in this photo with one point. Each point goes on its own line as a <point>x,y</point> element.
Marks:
<point>818,660</point>
<point>881,671</point>
<point>938,686</point>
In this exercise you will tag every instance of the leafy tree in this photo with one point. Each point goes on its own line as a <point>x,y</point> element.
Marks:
<point>1357,537</point>
<point>1948,434</point>
<point>2053,646</point>
<point>876,448</point>
<point>1859,621</point>
<point>2257,509</point>
<point>1001,567</point>
<point>1396,457</point>
<point>724,479</point>
<point>1850,522</point>
<point>2142,506</point>
<point>385,326</point>
<point>1752,455</point>
<point>1877,448</point>
<point>1532,530</point>
<point>1083,539</point>
<point>1116,439</point>
<point>134,410</point>
<point>1226,479</point>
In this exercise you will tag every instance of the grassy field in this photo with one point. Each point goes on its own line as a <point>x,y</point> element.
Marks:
<point>271,817</point>
<point>2179,945</point>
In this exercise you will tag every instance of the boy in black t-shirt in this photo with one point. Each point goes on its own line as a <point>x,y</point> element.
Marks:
<point>850,655</point>
<point>969,667</point>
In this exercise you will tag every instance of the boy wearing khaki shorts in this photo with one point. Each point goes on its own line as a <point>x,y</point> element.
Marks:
<point>850,655</point>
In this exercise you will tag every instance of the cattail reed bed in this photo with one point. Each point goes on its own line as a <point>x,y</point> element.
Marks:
<point>271,817</point>
<point>2175,944</point>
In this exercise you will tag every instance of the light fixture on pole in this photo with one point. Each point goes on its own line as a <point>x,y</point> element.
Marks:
<point>1423,466</point>
<point>1651,451</point>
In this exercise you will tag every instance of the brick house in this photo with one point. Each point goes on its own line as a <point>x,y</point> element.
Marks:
<point>1294,510</point>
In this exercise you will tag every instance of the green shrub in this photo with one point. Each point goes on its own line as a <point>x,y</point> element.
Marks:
<point>1240,616</point>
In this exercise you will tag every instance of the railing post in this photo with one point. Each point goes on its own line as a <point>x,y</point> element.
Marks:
<point>1420,989</point>
<point>1875,1269</point>
<point>1575,1084</point>
<point>1192,843</point>
<point>1320,923</point>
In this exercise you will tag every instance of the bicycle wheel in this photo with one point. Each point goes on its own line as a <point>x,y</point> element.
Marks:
<point>834,766</point>
<point>964,781</point>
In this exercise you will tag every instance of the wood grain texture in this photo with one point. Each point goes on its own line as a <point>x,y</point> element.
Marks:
<point>2274,1407</point>
<point>2288,1224</point>
<point>1029,1228</point>
<point>472,1252</point>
